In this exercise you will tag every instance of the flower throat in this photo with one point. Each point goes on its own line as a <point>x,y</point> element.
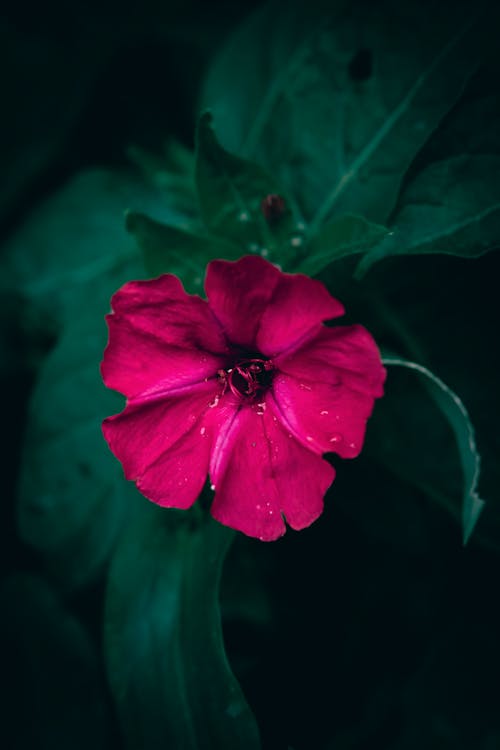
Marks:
<point>249,378</point>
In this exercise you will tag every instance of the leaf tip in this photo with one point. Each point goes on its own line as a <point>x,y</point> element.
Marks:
<point>471,516</point>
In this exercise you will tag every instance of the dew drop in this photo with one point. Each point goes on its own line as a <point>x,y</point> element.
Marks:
<point>304,387</point>
<point>324,413</point>
<point>214,403</point>
<point>264,252</point>
<point>258,507</point>
<point>253,445</point>
<point>300,226</point>
<point>261,408</point>
<point>352,445</point>
<point>296,241</point>
<point>335,438</point>
<point>212,487</point>
<point>203,430</point>
<point>244,216</point>
<point>309,438</point>
<point>252,247</point>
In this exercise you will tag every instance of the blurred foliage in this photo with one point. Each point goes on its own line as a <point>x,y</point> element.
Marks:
<point>160,591</point>
<point>374,628</point>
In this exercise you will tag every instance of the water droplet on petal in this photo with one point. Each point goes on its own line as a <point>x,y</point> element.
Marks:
<point>214,403</point>
<point>258,507</point>
<point>253,445</point>
<point>304,387</point>
<point>336,438</point>
<point>309,438</point>
<point>212,487</point>
<point>352,445</point>
<point>203,430</point>
<point>324,413</point>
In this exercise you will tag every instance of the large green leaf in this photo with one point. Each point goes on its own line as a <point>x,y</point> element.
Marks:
<point>456,414</point>
<point>451,202</point>
<point>76,238</point>
<point>347,235</point>
<point>341,96</point>
<point>231,191</point>
<point>171,171</point>
<point>72,499</point>
<point>169,249</point>
<point>71,257</point>
<point>452,207</point>
<point>163,641</point>
<point>54,694</point>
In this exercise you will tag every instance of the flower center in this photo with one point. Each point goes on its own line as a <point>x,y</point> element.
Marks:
<point>250,377</point>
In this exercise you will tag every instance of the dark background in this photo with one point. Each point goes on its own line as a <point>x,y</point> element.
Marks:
<point>374,629</point>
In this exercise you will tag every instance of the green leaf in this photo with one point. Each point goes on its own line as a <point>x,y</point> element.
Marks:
<point>456,414</point>
<point>451,204</point>
<point>172,172</point>
<point>451,207</point>
<point>54,693</point>
<point>339,238</point>
<point>72,500</point>
<point>76,238</point>
<point>164,650</point>
<point>231,191</point>
<point>167,249</point>
<point>341,96</point>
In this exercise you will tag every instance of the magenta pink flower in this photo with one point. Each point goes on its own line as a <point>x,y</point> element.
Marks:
<point>249,387</point>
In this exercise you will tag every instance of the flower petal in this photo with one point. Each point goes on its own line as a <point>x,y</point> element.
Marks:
<point>263,309</point>
<point>261,473</point>
<point>238,293</point>
<point>324,418</point>
<point>160,338</point>
<point>325,391</point>
<point>298,306</point>
<point>345,355</point>
<point>148,428</point>
<point>176,478</point>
